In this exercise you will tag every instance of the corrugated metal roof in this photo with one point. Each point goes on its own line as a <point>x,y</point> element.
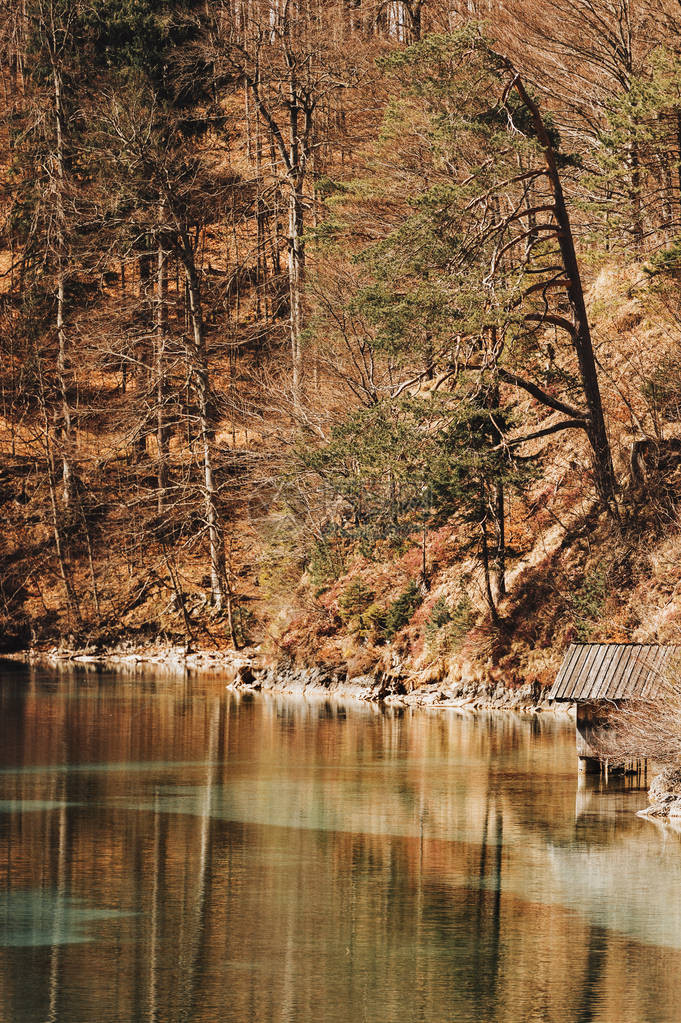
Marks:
<point>611,671</point>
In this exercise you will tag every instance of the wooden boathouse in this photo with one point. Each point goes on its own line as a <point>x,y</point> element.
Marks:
<point>596,676</point>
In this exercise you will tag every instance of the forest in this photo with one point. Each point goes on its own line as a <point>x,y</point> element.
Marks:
<point>346,331</point>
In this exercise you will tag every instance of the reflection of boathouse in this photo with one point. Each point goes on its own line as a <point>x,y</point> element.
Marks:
<point>597,675</point>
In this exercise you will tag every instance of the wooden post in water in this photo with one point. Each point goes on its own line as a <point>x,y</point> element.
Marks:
<point>587,721</point>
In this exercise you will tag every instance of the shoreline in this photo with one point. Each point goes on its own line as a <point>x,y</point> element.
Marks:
<point>246,671</point>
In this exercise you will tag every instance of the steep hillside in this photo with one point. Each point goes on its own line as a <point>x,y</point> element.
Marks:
<point>572,574</point>
<point>346,337</point>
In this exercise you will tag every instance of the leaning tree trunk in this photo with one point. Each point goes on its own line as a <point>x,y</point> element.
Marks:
<point>596,431</point>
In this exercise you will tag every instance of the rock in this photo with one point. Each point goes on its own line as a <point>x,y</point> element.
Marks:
<point>246,677</point>
<point>666,785</point>
<point>670,808</point>
<point>664,794</point>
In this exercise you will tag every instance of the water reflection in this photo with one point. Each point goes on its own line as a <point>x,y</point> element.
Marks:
<point>170,852</point>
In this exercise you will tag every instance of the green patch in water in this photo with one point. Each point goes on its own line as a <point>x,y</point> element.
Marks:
<point>29,919</point>
<point>107,768</point>
<point>31,805</point>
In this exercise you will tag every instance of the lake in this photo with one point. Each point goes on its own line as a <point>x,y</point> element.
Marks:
<point>171,851</point>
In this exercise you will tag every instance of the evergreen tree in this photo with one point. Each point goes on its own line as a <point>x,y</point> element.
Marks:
<point>480,269</point>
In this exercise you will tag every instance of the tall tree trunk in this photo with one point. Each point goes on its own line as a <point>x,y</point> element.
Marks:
<point>72,605</point>
<point>162,438</point>
<point>260,218</point>
<point>484,557</point>
<point>296,252</point>
<point>65,433</point>
<point>199,369</point>
<point>296,275</point>
<point>414,10</point>
<point>91,561</point>
<point>500,528</point>
<point>634,165</point>
<point>143,356</point>
<point>678,162</point>
<point>498,509</point>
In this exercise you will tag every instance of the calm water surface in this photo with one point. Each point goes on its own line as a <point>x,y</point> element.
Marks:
<point>170,852</point>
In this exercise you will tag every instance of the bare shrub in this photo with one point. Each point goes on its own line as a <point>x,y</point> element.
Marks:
<point>645,728</point>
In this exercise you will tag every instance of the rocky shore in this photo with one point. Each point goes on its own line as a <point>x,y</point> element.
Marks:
<point>664,795</point>
<point>246,670</point>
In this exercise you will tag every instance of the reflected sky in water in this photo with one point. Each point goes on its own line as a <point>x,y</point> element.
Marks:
<point>172,852</point>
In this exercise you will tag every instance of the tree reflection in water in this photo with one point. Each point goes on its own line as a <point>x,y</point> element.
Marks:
<point>170,852</point>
